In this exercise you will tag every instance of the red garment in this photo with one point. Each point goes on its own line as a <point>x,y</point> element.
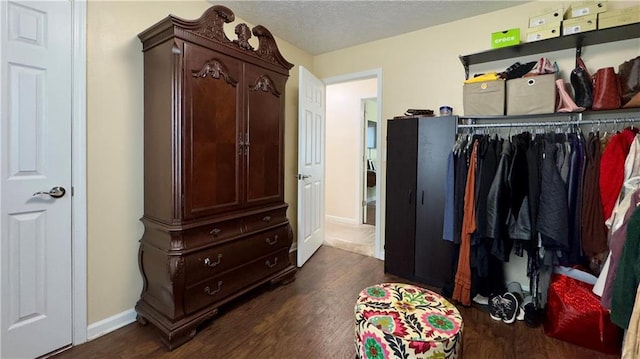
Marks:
<point>462,289</point>
<point>612,169</point>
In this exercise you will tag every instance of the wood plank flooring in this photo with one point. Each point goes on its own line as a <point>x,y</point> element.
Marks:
<point>313,318</point>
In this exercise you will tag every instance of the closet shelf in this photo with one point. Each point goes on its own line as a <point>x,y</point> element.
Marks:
<point>620,113</point>
<point>576,41</point>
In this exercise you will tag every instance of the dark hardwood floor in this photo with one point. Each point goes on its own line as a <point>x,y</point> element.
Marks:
<point>313,318</point>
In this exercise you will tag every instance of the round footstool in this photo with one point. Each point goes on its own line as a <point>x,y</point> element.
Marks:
<point>395,320</point>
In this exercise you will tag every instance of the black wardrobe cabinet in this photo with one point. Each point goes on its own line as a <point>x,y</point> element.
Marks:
<point>417,154</point>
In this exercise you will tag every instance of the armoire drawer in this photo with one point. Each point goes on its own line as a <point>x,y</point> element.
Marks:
<point>217,288</point>
<point>211,233</point>
<point>215,260</point>
<point>265,219</point>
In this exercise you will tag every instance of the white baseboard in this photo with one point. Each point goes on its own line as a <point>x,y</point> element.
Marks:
<point>336,219</point>
<point>107,325</point>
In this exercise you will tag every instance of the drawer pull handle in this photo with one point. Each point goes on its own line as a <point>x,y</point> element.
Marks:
<point>272,242</point>
<point>275,262</point>
<point>215,231</point>
<point>210,264</point>
<point>266,219</point>
<point>208,290</point>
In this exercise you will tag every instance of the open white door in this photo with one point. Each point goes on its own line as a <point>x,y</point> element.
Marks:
<point>311,131</point>
<point>35,172</point>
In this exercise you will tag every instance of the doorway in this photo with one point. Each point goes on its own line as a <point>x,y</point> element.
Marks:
<point>351,179</point>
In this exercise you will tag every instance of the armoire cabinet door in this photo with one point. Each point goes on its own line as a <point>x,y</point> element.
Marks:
<point>401,197</point>
<point>212,136</point>
<point>265,103</point>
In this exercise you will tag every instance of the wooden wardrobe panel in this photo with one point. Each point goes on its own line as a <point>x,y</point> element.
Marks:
<point>212,132</point>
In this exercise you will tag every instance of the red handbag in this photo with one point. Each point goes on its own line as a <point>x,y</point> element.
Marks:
<point>575,315</point>
<point>606,90</point>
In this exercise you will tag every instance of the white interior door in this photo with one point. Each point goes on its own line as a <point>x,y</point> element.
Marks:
<point>311,130</point>
<point>35,141</point>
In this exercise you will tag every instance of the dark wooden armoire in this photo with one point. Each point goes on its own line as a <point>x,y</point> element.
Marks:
<point>214,212</point>
<point>417,152</point>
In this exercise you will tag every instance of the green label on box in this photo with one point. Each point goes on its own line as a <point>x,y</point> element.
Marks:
<point>505,38</point>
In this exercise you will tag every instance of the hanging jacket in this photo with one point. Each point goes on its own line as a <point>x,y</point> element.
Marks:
<point>594,232</point>
<point>519,216</point>
<point>552,212</point>
<point>487,167</point>
<point>460,182</point>
<point>574,190</point>
<point>498,201</point>
<point>612,169</point>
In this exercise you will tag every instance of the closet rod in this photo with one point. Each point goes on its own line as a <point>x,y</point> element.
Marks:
<point>547,123</point>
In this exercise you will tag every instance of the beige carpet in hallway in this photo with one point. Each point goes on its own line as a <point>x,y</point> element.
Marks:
<point>351,237</point>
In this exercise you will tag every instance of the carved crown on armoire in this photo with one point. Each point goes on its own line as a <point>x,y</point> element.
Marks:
<point>214,212</point>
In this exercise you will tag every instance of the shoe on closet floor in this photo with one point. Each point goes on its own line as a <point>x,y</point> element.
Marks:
<point>514,289</point>
<point>532,315</point>
<point>496,309</point>
<point>511,306</point>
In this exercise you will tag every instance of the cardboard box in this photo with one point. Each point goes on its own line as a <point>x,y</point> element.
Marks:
<point>585,8</point>
<point>505,38</point>
<point>531,95</point>
<point>546,17</point>
<point>543,32</point>
<point>484,98</point>
<point>620,17</point>
<point>579,24</point>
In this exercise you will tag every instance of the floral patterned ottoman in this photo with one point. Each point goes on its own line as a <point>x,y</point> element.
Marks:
<point>395,320</point>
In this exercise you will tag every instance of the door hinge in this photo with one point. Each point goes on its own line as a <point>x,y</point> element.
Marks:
<point>72,191</point>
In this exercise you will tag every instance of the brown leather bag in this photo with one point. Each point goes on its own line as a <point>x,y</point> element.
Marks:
<point>629,73</point>
<point>606,90</point>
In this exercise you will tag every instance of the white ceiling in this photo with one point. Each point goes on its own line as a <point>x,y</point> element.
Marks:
<point>323,26</point>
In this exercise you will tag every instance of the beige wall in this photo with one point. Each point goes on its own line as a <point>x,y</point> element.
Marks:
<point>344,148</point>
<point>420,70</point>
<point>114,143</point>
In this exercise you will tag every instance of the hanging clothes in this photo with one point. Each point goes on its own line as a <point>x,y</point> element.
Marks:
<point>498,201</point>
<point>461,152</point>
<point>594,231</point>
<point>617,238</point>
<point>573,256</point>
<point>627,275</point>
<point>553,208</point>
<point>487,272</point>
<point>612,169</point>
<point>461,163</point>
<point>462,289</point>
<point>618,221</point>
<point>519,218</point>
<point>486,172</point>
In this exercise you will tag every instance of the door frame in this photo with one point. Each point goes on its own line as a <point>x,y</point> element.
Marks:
<point>365,75</point>
<point>78,172</point>
<point>364,149</point>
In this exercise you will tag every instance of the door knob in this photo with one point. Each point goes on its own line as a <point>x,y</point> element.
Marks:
<point>55,192</point>
<point>300,176</point>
